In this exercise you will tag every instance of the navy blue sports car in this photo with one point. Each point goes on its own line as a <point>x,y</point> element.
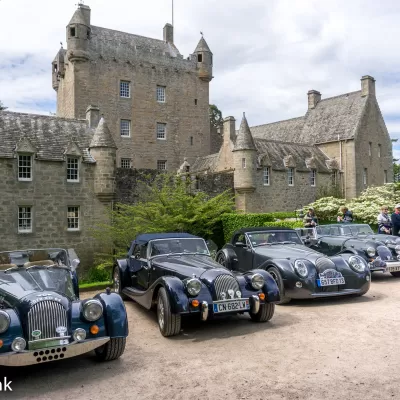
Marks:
<point>41,316</point>
<point>175,273</point>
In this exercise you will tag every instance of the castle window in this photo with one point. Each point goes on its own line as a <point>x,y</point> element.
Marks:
<point>379,150</point>
<point>161,131</point>
<point>55,67</point>
<point>24,167</point>
<point>161,94</point>
<point>266,176</point>
<point>365,176</point>
<point>24,219</point>
<point>73,218</point>
<point>191,140</point>
<point>195,102</point>
<point>370,149</point>
<point>197,183</point>
<point>290,176</point>
<point>199,57</point>
<point>72,32</point>
<point>72,169</point>
<point>125,128</point>
<point>334,178</point>
<point>313,177</point>
<point>243,163</point>
<point>126,163</point>
<point>161,165</point>
<point>125,89</point>
<point>385,180</point>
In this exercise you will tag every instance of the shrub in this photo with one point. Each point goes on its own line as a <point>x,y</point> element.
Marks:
<point>326,208</point>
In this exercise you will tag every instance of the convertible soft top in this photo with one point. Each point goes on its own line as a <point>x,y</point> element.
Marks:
<point>146,237</point>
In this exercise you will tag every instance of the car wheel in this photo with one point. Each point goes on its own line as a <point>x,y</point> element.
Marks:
<point>117,284</point>
<point>169,324</point>
<point>221,259</point>
<point>265,313</point>
<point>274,272</point>
<point>396,274</point>
<point>112,350</point>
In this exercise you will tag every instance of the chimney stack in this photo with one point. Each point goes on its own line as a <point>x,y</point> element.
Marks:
<point>168,33</point>
<point>93,116</point>
<point>367,86</point>
<point>314,97</point>
<point>86,13</point>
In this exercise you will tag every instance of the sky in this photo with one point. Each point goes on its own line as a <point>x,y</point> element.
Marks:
<point>267,54</point>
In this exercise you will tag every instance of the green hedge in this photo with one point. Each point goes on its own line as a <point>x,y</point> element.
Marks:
<point>283,214</point>
<point>233,222</point>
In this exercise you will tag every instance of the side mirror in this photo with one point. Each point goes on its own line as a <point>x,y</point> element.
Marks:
<point>240,244</point>
<point>75,264</point>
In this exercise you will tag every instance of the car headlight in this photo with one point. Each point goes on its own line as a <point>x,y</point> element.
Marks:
<point>193,286</point>
<point>5,321</point>
<point>371,252</point>
<point>397,249</point>
<point>92,310</point>
<point>301,268</point>
<point>357,263</point>
<point>257,281</point>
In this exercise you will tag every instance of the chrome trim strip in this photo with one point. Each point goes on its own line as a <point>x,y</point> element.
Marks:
<point>255,304</point>
<point>223,283</point>
<point>204,311</point>
<point>13,359</point>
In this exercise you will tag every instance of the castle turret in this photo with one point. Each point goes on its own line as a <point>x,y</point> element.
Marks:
<point>204,60</point>
<point>103,150</point>
<point>244,159</point>
<point>58,68</point>
<point>78,34</point>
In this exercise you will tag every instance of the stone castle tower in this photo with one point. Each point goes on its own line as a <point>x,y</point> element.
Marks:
<point>156,103</point>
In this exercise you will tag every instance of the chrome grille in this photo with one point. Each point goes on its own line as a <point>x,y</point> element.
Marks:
<point>324,263</point>
<point>223,283</point>
<point>46,316</point>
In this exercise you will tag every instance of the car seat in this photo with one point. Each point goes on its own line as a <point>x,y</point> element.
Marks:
<point>5,261</point>
<point>39,257</point>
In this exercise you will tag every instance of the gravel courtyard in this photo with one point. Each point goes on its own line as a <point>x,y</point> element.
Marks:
<point>322,349</point>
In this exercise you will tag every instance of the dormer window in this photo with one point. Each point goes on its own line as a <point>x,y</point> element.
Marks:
<point>72,169</point>
<point>199,57</point>
<point>72,31</point>
<point>24,167</point>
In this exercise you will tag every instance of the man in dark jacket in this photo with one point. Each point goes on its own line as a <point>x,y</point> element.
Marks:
<point>396,220</point>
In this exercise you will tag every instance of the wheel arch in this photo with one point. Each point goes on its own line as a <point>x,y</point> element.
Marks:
<point>122,265</point>
<point>230,256</point>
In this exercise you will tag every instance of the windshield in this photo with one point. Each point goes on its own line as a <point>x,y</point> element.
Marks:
<point>361,230</point>
<point>27,258</point>
<point>273,237</point>
<point>178,246</point>
<point>304,232</point>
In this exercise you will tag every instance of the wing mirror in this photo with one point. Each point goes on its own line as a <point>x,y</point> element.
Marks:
<point>75,264</point>
<point>240,244</point>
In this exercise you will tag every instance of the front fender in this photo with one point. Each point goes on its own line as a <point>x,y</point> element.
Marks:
<point>115,316</point>
<point>123,272</point>
<point>15,330</point>
<point>176,293</point>
<point>270,288</point>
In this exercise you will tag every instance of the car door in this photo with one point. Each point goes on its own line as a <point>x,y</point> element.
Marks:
<point>244,253</point>
<point>139,266</point>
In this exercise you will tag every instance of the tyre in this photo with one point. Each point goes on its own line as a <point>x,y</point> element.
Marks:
<point>396,274</point>
<point>169,324</point>
<point>117,284</point>
<point>111,350</point>
<point>279,281</point>
<point>221,259</point>
<point>265,313</point>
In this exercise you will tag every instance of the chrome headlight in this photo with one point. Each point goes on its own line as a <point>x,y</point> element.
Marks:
<point>301,268</point>
<point>18,344</point>
<point>397,249</point>
<point>193,286</point>
<point>257,281</point>
<point>92,310</point>
<point>371,252</point>
<point>357,263</point>
<point>5,321</point>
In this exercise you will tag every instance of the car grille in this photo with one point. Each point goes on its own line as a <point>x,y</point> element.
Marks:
<point>223,283</point>
<point>46,316</point>
<point>324,263</point>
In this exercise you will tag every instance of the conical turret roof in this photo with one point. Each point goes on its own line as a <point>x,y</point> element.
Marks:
<point>102,136</point>
<point>78,17</point>
<point>202,46</point>
<point>244,139</point>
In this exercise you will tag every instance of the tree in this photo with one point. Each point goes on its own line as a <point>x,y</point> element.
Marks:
<point>166,205</point>
<point>215,116</point>
<point>2,107</point>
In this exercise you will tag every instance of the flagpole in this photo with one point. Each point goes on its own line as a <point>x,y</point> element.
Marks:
<point>172,12</point>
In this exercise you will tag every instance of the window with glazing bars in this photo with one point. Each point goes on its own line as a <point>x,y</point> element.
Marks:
<point>290,173</point>
<point>24,167</point>
<point>126,163</point>
<point>73,218</point>
<point>161,165</point>
<point>125,89</point>
<point>125,127</point>
<point>313,175</point>
<point>72,169</point>
<point>161,94</point>
<point>161,131</point>
<point>266,176</point>
<point>25,219</point>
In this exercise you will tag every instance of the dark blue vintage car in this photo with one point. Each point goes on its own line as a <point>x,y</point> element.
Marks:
<point>175,273</point>
<point>299,272</point>
<point>41,316</point>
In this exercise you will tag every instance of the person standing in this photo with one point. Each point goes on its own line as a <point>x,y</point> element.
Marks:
<point>346,217</point>
<point>396,220</point>
<point>384,222</point>
<point>310,219</point>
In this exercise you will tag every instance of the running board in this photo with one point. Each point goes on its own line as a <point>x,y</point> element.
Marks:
<point>138,295</point>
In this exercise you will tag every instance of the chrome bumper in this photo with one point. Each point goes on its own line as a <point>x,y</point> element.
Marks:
<point>255,304</point>
<point>47,354</point>
<point>204,311</point>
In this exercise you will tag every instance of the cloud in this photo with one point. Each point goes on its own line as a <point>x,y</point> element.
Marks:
<point>267,55</point>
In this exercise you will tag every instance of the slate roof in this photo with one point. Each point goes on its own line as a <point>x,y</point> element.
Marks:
<point>331,117</point>
<point>202,46</point>
<point>102,136</point>
<point>205,163</point>
<point>244,139</point>
<point>49,135</point>
<point>274,153</point>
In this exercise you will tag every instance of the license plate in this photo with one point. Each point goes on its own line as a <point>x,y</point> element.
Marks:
<point>330,281</point>
<point>231,306</point>
<point>393,267</point>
